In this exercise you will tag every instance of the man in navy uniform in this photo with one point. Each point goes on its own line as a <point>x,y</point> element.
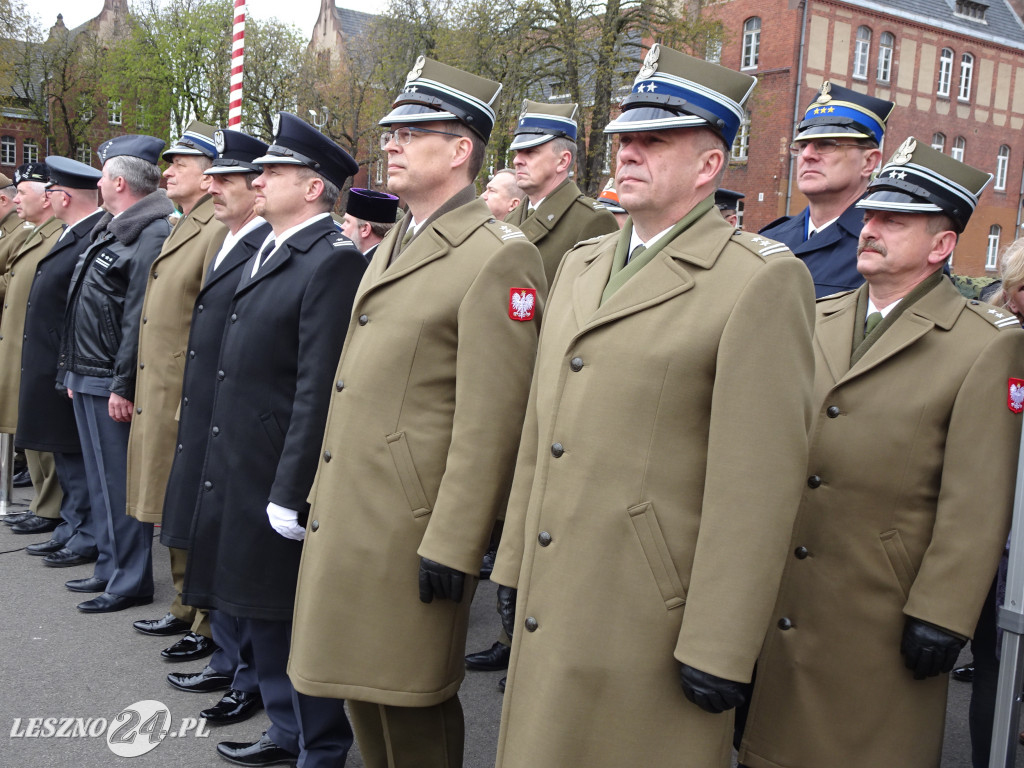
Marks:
<point>369,216</point>
<point>284,332</point>
<point>836,151</point>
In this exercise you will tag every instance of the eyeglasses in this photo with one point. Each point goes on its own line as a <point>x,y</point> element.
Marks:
<point>50,190</point>
<point>822,146</point>
<point>403,136</point>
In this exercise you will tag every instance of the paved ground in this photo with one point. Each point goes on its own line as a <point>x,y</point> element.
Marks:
<point>56,662</point>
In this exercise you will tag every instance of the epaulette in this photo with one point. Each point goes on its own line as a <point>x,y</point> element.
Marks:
<point>998,317</point>
<point>503,230</point>
<point>338,240</point>
<point>835,295</point>
<point>28,225</point>
<point>762,246</point>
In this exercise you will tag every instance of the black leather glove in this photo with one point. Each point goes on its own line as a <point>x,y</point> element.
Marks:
<point>507,608</point>
<point>440,581</point>
<point>710,693</point>
<point>928,650</point>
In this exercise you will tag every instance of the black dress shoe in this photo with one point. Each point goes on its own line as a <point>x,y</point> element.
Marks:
<point>44,547</point>
<point>501,684</point>
<point>262,752</point>
<point>92,584</point>
<point>168,625</point>
<point>22,480</point>
<point>235,707</point>
<point>200,682</point>
<point>494,658</point>
<point>36,524</point>
<point>20,517</point>
<point>65,558</point>
<point>964,674</point>
<point>108,603</point>
<point>190,648</point>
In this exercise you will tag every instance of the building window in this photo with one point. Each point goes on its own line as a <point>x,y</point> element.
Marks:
<point>957,153</point>
<point>8,151</point>
<point>945,72</point>
<point>114,111</point>
<point>966,73</point>
<point>379,175</point>
<point>30,151</point>
<point>992,252</point>
<point>970,10</point>
<point>739,214</point>
<point>862,53</point>
<point>559,90</point>
<point>939,142</point>
<point>1002,164</point>
<point>85,112</point>
<point>83,154</point>
<point>714,52</point>
<point>751,43</point>
<point>886,44</point>
<point>741,144</point>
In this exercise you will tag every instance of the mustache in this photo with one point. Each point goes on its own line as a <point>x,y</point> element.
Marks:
<point>868,244</point>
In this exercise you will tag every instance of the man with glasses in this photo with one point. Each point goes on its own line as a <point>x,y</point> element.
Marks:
<point>426,413</point>
<point>46,418</point>
<point>836,151</point>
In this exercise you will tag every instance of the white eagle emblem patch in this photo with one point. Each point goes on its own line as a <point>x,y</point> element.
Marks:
<point>522,303</point>
<point>1015,397</point>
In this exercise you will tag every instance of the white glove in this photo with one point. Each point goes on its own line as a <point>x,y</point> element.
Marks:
<point>285,522</point>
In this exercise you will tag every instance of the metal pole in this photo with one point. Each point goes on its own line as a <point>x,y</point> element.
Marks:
<point>6,472</point>
<point>1011,621</point>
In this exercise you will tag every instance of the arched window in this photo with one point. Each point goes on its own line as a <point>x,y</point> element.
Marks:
<point>862,53</point>
<point>992,252</point>
<point>751,43</point>
<point>939,142</point>
<point>966,75</point>
<point>886,44</point>
<point>1002,164</point>
<point>959,146</point>
<point>945,72</point>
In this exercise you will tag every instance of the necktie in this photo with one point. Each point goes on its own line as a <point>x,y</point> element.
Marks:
<point>408,236</point>
<point>872,322</point>
<point>263,257</point>
<point>636,252</point>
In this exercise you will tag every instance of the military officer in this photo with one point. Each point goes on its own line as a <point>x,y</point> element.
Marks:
<point>555,215</point>
<point>836,151</point>
<point>171,289</point>
<point>46,419</point>
<point>230,177</point>
<point>99,359</point>
<point>283,334</point>
<point>13,230</point>
<point>369,216</point>
<point>33,206</point>
<point>727,201</point>
<point>907,369</point>
<point>502,194</point>
<point>426,411</point>
<point>651,509</point>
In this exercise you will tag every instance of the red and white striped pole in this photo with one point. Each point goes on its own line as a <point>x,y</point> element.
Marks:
<point>237,61</point>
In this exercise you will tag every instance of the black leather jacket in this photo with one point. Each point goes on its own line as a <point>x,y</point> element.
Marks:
<point>101,322</point>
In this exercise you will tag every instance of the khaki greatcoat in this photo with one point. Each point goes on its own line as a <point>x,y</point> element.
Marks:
<point>418,455</point>
<point>915,451</point>
<point>661,464</point>
<point>21,271</point>
<point>13,232</point>
<point>564,218</point>
<point>173,283</point>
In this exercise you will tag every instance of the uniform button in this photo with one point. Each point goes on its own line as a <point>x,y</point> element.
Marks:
<point>191,354</point>
<point>314,526</point>
<point>327,455</point>
<point>576,364</point>
<point>339,385</point>
<point>531,624</point>
<point>156,275</point>
<point>185,401</point>
<point>220,375</point>
<point>138,410</point>
<point>180,448</point>
<point>557,450</point>
<point>785,623</point>
<point>832,411</point>
<point>544,538</point>
<point>39,272</point>
<point>215,431</point>
<point>234,317</point>
<point>208,485</point>
<point>813,481</point>
<point>801,553</point>
<point>363,319</point>
<point>28,304</point>
<point>974,302</point>
<point>145,320</point>
<point>141,366</point>
<point>199,307</point>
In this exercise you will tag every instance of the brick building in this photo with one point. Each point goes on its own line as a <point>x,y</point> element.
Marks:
<point>954,68</point>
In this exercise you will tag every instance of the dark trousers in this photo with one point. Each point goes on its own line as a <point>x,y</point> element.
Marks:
<point>981,714</point>
<point>125,545</point>
<point>234,651</point>
<point>75,532</point>
<point>314,728</point>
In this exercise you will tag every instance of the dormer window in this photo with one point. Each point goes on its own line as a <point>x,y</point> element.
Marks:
<point>971,10</point>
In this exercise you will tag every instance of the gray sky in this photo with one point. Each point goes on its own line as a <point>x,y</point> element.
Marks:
<point>301,13</point>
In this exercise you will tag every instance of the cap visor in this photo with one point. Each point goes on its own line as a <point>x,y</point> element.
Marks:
<point>527,140</point>
<point>651,119</point>
<point>895,200</point>
<point>831,132</point>
<point>415,113</point>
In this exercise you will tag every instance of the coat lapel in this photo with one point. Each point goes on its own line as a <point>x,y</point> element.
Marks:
<point>834,334</point>
<point>549,212</point>
<point>242,251</point>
